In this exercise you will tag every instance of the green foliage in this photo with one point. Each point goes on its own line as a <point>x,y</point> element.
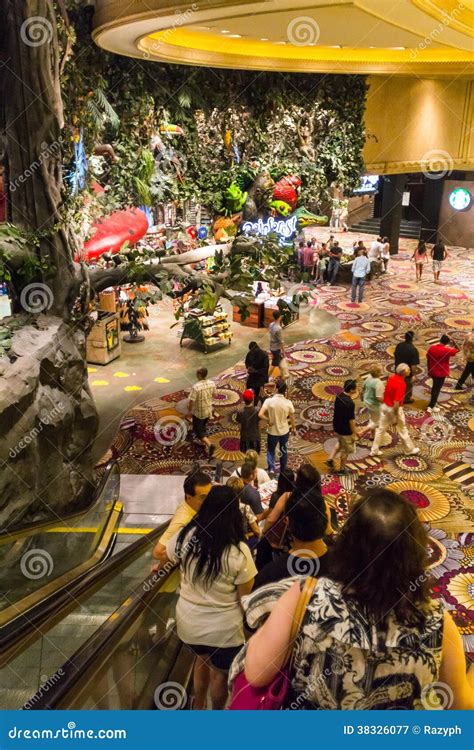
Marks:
<point>234,124</point>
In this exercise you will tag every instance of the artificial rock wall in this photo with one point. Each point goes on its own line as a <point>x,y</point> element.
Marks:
<point>48,421</point>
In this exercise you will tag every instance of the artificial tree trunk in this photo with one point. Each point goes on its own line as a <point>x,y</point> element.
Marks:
<point>48,420</point>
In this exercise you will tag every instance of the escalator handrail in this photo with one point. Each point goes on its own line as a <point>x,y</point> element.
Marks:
<point>38,526</point>
<point>27,626</point>
<point>25,605</point>
<point>92,654</point>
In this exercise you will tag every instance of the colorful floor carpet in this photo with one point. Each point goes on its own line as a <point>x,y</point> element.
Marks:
<point>439,481</point>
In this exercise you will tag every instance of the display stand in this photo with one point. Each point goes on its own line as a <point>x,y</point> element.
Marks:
<point>255,317</point>
<point>209,331</point>
<point>268,316</point>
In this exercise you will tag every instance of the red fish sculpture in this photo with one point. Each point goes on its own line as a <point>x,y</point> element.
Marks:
<point>287,190</point>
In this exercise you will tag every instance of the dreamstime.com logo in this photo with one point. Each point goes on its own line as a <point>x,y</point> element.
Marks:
<point>36,31</point>
<point>36,564</point>
<point>47,151</point>
<point>71,732</point>
<point>183,17</point>
<point>46,684</point>
<point>436,164</point>
<point>302,31</point>
<point>46,417</point>
<point>170,430</point>
<point>437,696</point>
<point>36,298</point>
<point>170,696</point>
<point>307,563</point>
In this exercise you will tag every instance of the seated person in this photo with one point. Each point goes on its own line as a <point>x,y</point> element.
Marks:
<point>196,488</point>
<point>307,554</point>
<point>251,457</point>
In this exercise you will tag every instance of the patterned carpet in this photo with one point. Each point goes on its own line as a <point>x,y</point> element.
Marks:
<point>439,481</point>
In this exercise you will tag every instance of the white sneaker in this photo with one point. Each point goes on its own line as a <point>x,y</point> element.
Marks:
<point>414,452</point>
<point>433,409</point>
<point>375,453</point>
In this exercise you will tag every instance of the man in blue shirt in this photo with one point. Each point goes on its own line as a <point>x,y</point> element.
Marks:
<point>360,269</point>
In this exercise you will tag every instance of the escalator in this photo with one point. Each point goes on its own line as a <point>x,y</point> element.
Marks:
<point>134,660</point>
<point>59,582</point>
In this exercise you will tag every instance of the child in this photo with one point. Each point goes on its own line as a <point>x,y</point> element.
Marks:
<point>251,527</point>
<point>249,422</point>
<point>420,256</point>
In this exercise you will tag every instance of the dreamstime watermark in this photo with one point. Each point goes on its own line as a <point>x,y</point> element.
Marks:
<point>436,164</point>
<point>46,417</point>
<point>46,150</point>
<point>170,696</point>
<point>436,429</point>
<point>305,564</point>
<point>437,696</point>
<point>303,31</point>
<point>36,564</point>
<point>46,684</point>
<point>36,30</point>
<point>169,565</point>
<point>170,430</point>
<point>435,33</point>
<point>36,297</point>
<point>182,18</point>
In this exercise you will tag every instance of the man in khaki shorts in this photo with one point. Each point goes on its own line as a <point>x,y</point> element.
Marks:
<point>344,425</point>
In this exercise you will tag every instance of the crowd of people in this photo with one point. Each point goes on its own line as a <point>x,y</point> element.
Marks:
<point>321,262</point>
<point>373,636</point>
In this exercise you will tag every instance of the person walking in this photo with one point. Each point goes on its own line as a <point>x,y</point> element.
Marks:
<point>438,357</point>
<point>360,269</point>
<point>406,351</point>
<point>217,570</point>
<point>344,425</point>
<point>335,254</point>
<point>371,638</point>
<point>468,350</point>
<point>257,364</point>
<point>420,256</point>
<point>279,413</point>
<point>200,408</point>
<point>438,255</point>
<point>391,413</point>
<point>249,422</point>
<point>385,253</point>
<point>276,342</point>
<point>372,397</point>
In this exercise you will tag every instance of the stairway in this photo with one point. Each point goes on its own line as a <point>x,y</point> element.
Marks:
<point>408,229</point>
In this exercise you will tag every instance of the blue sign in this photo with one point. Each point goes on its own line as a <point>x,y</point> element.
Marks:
<point>285,228</point>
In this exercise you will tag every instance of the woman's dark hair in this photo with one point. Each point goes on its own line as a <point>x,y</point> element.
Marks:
<point>350,385</point>
<point>409,336</point>
<point>307,519</point>
<point>422,247</point>
<point>214,529</point>
<point>308,480</point>
<point>286,483</point>
<point>380,558</point>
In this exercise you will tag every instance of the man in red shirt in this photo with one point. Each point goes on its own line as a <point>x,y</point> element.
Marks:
<point>438,357</point>
<point>391,412</point>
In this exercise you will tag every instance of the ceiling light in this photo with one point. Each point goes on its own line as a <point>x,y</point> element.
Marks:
<point>264,39</point>
<point>225,31</point>
<point>235,36</point>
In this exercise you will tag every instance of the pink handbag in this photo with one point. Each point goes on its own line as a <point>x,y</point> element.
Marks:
<point>246,697</point>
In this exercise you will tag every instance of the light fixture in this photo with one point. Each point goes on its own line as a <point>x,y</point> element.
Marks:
<point>235,36</point>
<point>225,31</point>
<point>264,39</point>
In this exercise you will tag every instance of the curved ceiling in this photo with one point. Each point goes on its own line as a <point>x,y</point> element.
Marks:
<point>401,37</point>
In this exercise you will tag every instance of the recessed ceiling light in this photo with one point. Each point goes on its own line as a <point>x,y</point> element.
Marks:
<point>279,42</point>
<point>396,47</point>
<point>225,31</point>
<point>235,36</point>
<point>264,39</point>
<point>335,46</point>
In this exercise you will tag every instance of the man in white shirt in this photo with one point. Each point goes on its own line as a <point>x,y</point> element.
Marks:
<point>200,408</point>
<point>279,413</point>
<point>375,257</point>
<point>360,269</point>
